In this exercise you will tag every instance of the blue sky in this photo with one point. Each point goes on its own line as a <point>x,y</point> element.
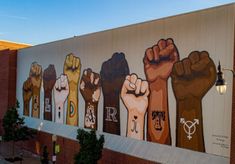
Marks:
<point>40,21</point>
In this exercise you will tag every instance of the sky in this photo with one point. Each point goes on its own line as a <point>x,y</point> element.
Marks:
<point>41,21</point>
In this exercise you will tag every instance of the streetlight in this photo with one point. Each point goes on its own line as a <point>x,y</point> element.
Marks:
<point>220,82</point>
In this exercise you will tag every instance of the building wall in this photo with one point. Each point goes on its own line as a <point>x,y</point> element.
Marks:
<point>210,30</point>
<point>7,81</point>
<point>68,148</point>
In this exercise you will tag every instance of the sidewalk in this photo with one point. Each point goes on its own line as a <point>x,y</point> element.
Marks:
<point>28,157</point>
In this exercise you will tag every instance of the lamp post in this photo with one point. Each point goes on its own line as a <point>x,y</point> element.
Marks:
<point>54,138</point>
<point>220,82</point>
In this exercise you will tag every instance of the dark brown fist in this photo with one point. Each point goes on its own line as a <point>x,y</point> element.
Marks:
<point>193,76</point>
<point>49,78</point>
<point>113,73</point>
<point>159,60</point>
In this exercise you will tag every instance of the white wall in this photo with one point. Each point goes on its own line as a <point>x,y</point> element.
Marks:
<point>211,30</point>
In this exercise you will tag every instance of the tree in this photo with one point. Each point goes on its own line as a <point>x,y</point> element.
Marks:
<point>90,147</point>
<point>14,128</point>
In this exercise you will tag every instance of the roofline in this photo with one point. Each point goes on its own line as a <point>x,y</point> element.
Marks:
<point>6,41</point>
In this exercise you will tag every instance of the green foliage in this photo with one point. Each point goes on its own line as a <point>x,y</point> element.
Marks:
<point>14,128</point>
<point>90,147</point>
<point>44,159</point>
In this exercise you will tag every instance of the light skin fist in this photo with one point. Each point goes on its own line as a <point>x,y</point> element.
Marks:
<point>61,89</point>
<point>159,60</point>
<point>193,76</point>
<point>72,68</point>
<point>36,75</point>
<point>135,93</point>
<point>90,86</point>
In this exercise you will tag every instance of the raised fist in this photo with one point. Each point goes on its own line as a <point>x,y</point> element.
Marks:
<point>27,95</point>
<point>113,73</point>
<point>90,90</point>
<point>49,78</point>
<point>158,63</point>
<point>159,60</point>
<point>191,79</point>
<point>72,68</point>
<point>35,75</point>
<point>61,92</point>
<point>134,95</point>
<point>90,86</point>
<point>193,76</point>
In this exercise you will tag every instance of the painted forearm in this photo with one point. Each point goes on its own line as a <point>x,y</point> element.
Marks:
<point>72,107</point>
<point>48,105</point>
<point>111,123</point>
<point>26,108</point>
<point>59,113</point>
<point>158,113</point>
<point>189,130</point>
<point>135,127</point>
<point>90,120</point>
<point>36,105</point>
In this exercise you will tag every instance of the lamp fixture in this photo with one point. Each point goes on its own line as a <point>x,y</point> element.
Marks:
<point>220,82</point>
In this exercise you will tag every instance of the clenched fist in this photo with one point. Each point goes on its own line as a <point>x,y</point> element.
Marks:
<point>49,78</point>
<point>191,80</point>
<point>90,90</point>
<point>158,63</point>
<point>61,92</point>
<point>193,76</point>
<point>113,73</point>
<point>72,68</point>
<point>134,95</point>
<point>27,95</point>
<point>159,60</point>
<point>35,75</point>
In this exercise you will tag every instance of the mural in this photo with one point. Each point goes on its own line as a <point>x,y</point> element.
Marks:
<point>113,73</point>
<point>61,92</point>
<point>90,88</point>
<point>134,95</point>
<point>35,76</point>
<point>158,63</point>
<point>192,78</point>
<point>49,78</point>
<point>72,68</point>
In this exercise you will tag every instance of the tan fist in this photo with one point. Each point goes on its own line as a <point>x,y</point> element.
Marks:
<point>135,93</point>
<point>36,77</point>
<point>159,60</point>
<point>193,76</point>
<point>72,67</point>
